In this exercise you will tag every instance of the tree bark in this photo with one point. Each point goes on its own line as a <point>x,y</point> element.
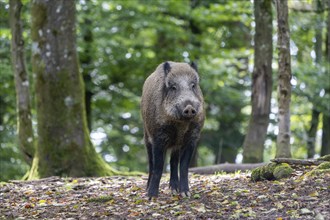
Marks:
<point>325,149</point>
<point>194,56</point>
<point>23,106</point>
<point>312,133</point>
<point>284,85</point>
<point>253,146</point>
<point>64,147</point>
<point>86,61</point>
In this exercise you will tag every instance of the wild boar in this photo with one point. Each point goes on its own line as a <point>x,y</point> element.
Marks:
<point>173,116</point>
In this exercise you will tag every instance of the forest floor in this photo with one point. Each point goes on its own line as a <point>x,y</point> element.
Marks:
<point>219,196</point>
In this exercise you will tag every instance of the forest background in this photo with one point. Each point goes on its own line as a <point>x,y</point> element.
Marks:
<point>121,42</point>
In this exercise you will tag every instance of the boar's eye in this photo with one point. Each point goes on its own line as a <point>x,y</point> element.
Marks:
<point>193,85</point>
<point>173,88</point>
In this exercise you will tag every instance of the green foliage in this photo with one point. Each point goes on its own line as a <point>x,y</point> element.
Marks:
<point>132,50</point>
<point>130,38</point>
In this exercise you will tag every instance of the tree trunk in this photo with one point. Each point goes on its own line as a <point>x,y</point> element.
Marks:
<point>318,60</point>
<point>325,149</point>
<point>193,56</point>
<point>86,61</point>
<point>24,118</point>
<point>326,114</point>
<point>64,147</point>
<point>218,154</point>
<point>312,133</point>
<point>253,146</point>
<point>284,85</point>
<point>318,32</point>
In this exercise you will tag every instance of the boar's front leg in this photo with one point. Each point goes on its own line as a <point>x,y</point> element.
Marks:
<point>185,158</point>
<point>184,165</point>
<point>158,155</point>
<point>174,179</point>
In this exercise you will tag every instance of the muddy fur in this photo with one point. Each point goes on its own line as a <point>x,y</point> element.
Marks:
<point>173,115</point>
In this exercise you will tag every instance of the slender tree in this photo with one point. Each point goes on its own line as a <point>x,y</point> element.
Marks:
<point>64,147</point>
<point>284,78</point>
<point>312,132</point>
<point>253,145</point>
<point>326,115</point>
<point>318,61</point>
<point>24,118</point>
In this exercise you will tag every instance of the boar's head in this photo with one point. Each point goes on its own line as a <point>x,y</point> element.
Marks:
<point>182,96</point>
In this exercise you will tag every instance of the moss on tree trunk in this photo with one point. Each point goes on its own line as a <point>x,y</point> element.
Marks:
<point>64,146</point>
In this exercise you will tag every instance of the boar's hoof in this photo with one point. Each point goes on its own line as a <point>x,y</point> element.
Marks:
<point>152,195</point>
<point>175,192</point>
<point>152,198</point>
<point>186,194</point>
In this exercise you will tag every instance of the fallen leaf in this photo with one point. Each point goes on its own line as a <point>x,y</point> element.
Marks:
<point>199,208</point>
<point>305,211</point>
<point>197,196</point>
<point>314,194</point>
<point>28,205</point>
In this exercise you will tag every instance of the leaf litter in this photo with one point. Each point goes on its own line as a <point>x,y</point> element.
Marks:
<point>224,196</point>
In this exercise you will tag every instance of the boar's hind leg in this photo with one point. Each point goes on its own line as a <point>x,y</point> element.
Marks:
<point>158,153</point>
<point>174,179</point>
<point>184,165</point>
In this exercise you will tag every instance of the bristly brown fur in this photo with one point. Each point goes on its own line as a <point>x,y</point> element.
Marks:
<point>172,108</point>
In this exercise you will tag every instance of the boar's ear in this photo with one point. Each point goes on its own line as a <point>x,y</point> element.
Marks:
<point>167,68</point>
<point>194,66</point>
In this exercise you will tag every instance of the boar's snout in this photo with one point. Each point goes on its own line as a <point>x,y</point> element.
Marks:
<point>189,112</point>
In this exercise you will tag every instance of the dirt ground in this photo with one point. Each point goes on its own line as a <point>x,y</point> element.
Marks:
<point>221,196</point>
